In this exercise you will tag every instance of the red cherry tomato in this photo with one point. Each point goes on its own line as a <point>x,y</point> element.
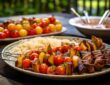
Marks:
<point>60,70</point>
<point>64,48</point>
<point>58,59</point>
<point>52,19</point>
<point>55,49</point>
<point>77,48</point>
<point>51,70</point>
<point>26,63</point>
<point>43,24</point>
<point>7,32</point>
<point>46,30</point>
<point>34,25</point>
<point>43,68</point>
<point>33,56</point>
<point>14,34</point>
<point>2,35</point>
<point>68,59</point>
<point>32,32</point>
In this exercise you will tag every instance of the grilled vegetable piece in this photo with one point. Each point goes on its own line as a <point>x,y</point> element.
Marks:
<point>41,56</point>
<point>36,65</point>
<point>93,46</point>
<point>51,59</point>
<point>88,46</point>
<point>19,61</point>
<point>72,52</point>
<point>83,45</point>
<point>97,41</point>
<point>48,49</point>
<point>75,61</point>
<point>69,68</point>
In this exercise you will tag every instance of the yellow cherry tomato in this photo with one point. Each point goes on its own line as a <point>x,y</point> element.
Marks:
<point>47,20</point>
<point>19,26</point>
<point>23,32</point>
<point>27,26</point>
<point>52,27</point>
<point>38,20</point>
<point>39,30</point>
<point>58,27</point>
<point>57,22</point>
<point>1,29</point>
<point>11,26</point>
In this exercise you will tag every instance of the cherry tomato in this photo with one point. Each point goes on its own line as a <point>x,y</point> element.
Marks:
<point>46,30</point>
<point>27,26</point>
<point>43,24</point>
<point>51,70</point>
<point>52,27</point>
<point>57,22</point>
<point>58,27</point>
<point>60,70</point>
<point>33,56</point>
<point>7,32</point>
<point>52,19</point>
<point>58,59</point>
<point>2,35</point>
<point>32,32</point>
<point>26,63</point>
<point>19,27</point>
<point>68,59</point>
<point>14,34</point>
<point>64,48</point>
<point>55,49</point>
<point>39,30</point>
<point>11,27</point>
<point>34,25</point>
<point>23,32</point>
<point>1,29</point>
<point>47,20</point>
<point>77,48</point>
<point>38,20</point>
<point>43,68</point>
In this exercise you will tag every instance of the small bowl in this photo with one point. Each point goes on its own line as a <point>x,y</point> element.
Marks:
<point>93,28</point>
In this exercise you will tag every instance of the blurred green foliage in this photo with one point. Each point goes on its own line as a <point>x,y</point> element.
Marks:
<point>22,7</point>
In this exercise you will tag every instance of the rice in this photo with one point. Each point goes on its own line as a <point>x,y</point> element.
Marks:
<point>38,42</point>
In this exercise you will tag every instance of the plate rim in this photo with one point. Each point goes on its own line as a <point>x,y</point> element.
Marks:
<point>66,77</point>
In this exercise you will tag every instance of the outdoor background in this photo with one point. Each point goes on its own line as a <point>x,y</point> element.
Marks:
<point>22,7</point>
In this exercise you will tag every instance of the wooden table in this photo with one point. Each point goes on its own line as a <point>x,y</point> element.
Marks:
<point>10,76</point>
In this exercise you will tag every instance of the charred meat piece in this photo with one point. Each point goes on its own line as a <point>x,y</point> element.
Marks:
<point>97,53</point>
<point>81,67</point>
<point>90,68</point>
<point>87,57</point>
<point>99,63</point>
<point>106,54</point>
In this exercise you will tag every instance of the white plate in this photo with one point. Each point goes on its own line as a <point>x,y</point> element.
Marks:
<point>62,77</point>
